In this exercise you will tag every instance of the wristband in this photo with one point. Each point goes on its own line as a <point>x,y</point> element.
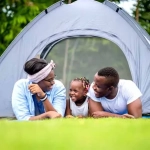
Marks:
<point>43,99</point>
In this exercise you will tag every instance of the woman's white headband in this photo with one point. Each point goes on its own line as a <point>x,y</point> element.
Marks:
<point>42,74</point>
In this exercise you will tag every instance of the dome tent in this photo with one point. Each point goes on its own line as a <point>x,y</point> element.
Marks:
<point>81,20</point>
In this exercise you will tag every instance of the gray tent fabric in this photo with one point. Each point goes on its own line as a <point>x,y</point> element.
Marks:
<point>81,18</point>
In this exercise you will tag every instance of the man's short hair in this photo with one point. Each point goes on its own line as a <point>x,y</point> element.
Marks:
<point>111,75</point>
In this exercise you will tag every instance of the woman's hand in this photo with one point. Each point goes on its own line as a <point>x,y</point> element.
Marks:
<point>53,114</point>
<point>98,114</point>
<point>35,89</point>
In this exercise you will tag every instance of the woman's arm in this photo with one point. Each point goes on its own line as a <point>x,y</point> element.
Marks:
<point>49,114</point>
<point>35,89</point>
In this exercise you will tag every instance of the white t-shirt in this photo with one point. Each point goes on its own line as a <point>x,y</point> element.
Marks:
<point>79,110</point>
<point>127,93</point>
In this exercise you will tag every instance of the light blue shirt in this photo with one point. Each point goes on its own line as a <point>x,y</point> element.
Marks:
<point>23,104</point>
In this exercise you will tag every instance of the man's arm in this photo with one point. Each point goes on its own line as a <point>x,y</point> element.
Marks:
<point>132,95</point>
<point>135,108</point>
<point>96,111</point>
<point>94,106</point>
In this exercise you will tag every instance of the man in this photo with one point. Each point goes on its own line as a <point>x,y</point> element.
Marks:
<point>110,96</point>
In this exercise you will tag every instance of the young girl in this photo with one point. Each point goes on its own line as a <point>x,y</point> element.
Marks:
<point>77,105</point>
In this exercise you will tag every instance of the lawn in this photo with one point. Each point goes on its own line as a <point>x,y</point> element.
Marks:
<point>76,134</point>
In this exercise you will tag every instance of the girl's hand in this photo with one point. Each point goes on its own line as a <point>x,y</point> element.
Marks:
<point>80,116</point>
<point>69,116</point>
<point>35,89</point>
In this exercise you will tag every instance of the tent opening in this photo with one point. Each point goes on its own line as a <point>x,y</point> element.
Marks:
<point>84,56</point>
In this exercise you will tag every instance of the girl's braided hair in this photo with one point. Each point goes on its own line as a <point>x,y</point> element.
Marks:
<point>85,82</point>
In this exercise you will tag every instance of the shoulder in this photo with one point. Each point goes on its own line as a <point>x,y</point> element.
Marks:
<point>129,90</point>
<point>21,87</point>
<point>126,84</point>
<point>22,83</point>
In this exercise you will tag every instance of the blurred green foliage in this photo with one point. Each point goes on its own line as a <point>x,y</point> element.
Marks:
<point>142,13</point>
<point>15,14</point>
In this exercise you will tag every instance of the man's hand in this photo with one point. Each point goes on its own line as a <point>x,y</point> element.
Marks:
<point>53,114</point>
<point>127,116</point>
<point>35,89</point>
<point>98,114</point>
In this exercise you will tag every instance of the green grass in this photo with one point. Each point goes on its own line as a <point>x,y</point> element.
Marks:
<point>76,134</point>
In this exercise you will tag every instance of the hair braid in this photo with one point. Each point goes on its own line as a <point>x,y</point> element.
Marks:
<point>85,82</point>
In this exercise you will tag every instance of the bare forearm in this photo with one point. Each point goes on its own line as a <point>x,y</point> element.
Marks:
<point>102,114</point>
<point>68,113</point>
<point>137,114</point>
<point>49,114</point>
<point>107,114</point>
<point>48,106</point>
<point>68,110</point>
<point>39,117</point>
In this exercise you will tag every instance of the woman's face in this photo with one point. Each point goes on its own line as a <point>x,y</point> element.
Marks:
<point>47,83</point>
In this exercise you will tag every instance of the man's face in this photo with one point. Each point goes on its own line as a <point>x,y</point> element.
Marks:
<point>100,87</point>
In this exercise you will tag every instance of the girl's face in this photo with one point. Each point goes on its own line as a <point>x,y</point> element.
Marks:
<point>77,92</point>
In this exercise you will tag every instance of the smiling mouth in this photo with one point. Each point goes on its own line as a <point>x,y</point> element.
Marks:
<point>50,87</point>
<point>72,97</point>
<point>96,93</point>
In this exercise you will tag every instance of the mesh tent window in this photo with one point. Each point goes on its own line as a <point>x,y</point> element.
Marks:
<point>84,56</point>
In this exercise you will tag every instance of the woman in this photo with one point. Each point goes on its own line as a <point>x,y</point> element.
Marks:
<point>39,96</point>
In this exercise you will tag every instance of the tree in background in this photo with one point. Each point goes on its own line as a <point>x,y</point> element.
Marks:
<point>142,13</point>
<point>15,15</point>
